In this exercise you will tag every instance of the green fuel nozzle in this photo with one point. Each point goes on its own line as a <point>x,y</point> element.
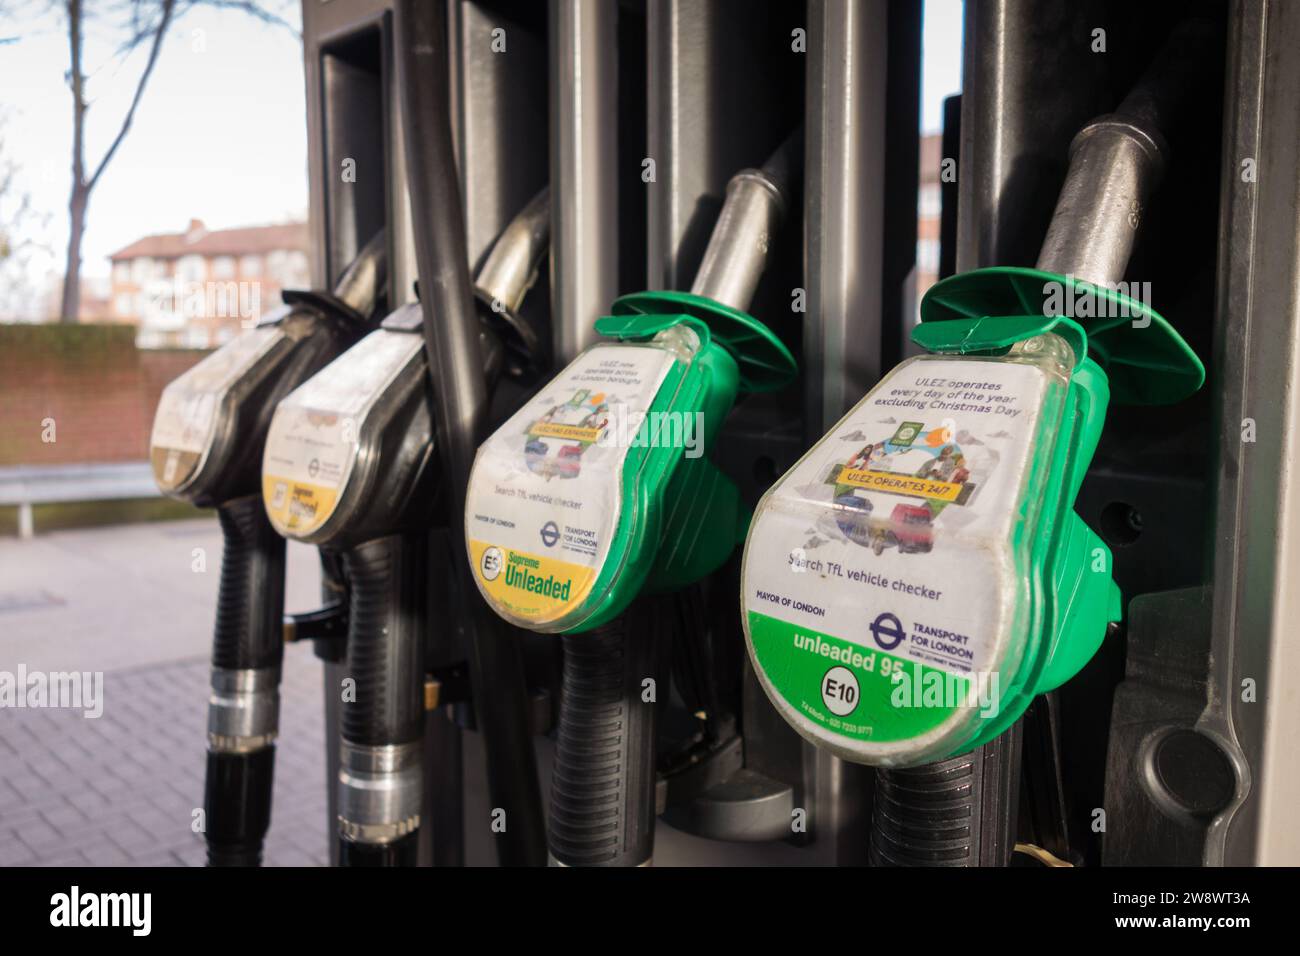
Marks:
<point>920,574</point>
<point>601,486</point>
<point>599,492</point>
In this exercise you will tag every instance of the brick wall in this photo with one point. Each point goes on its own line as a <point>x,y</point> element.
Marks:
<point>100,390</point>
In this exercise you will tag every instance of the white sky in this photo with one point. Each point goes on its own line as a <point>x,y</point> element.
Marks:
<point>221,132</point>
<point>940,60</point>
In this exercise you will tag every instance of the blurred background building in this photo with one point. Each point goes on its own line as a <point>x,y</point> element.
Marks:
<point>198,288</point>
<point>928,214</point>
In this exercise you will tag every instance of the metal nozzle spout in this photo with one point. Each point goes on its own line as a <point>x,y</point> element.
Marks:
<point>1118,160</point>
<point>363,282</point>
<point>510,270</point>
<point>1115,166</point>
<point>754,209</point>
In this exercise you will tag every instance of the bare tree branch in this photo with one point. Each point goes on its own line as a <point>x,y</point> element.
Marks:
<point>167,7</point>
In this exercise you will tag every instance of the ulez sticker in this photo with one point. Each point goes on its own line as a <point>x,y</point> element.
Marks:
<point>876,571</point>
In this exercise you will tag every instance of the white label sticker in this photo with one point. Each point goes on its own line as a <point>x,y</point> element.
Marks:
<point>187,406</point>
<point>312,444</point>
<point>184,423</point>
<point>894,532</point>
<point>545,494</point>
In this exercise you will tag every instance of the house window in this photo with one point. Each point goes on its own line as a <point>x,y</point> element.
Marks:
<point>250,266</point>
<point>190,268</point>
<point>121,272</point>
<point>930,202</point>
<point>296,271</point>
<point>122,304</point>
<point>141,270</point>
<point>223,267</point>
<point>275,264</point>
<point>927,256</point>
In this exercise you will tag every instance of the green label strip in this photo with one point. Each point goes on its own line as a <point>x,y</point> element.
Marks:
<point>803,663</point>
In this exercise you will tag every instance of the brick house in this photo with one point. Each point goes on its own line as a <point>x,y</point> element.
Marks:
<point>198,288</point>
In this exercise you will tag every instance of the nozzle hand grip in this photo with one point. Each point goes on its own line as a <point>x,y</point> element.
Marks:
<point>384,641</point>
<point>247,651</point>
<point>250,599</point>
<point>603,788</point>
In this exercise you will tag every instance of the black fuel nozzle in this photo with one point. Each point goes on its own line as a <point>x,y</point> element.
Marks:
<point>351,466</point>
<point>206,448</point>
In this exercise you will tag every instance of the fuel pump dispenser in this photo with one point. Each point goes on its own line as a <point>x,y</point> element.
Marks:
<point>350,466</point>
<point>600,491</point>
<point>920,575</point>
<point>205,448</point>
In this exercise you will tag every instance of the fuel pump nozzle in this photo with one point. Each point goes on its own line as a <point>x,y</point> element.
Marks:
<point>350,466</point>
<point>206,448</point>
<point>587,509</point>
<point>920,575</point>
<point>1117,162</point>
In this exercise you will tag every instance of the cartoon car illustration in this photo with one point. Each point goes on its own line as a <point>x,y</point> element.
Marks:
<point>569,461</point>
<point>910,528</point>
<point>853,518</point>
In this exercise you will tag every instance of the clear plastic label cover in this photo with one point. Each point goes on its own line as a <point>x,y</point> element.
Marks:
<point>315,436</point>
<point>881,579</point>
<point>545,494</point>
<point>185,423</point>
